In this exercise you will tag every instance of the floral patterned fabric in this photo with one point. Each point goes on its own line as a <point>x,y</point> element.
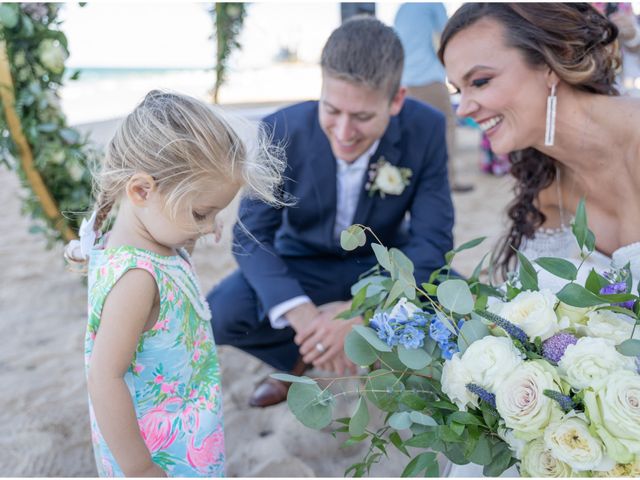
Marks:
<point>174,378</point>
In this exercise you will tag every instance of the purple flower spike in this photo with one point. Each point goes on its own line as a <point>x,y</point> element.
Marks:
<point>553,348</point>
<point>619,287</point>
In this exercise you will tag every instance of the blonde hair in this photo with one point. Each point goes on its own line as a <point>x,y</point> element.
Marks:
<point>182,142</point>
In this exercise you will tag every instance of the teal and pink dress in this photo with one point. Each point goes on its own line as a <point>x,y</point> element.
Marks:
<point>174,378</point>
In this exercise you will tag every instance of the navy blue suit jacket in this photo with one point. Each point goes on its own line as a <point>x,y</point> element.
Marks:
<point>415,139</point>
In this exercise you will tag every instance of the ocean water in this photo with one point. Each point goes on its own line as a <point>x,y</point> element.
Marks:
<point>106,93</point>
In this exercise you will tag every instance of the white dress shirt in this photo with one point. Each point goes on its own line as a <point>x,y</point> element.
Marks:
<point>350,178</point>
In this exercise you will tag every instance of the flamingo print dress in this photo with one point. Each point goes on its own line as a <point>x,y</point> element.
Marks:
<point>174,378</point>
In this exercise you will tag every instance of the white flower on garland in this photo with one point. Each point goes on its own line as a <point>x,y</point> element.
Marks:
<point>387,179</point>
<point>52,55</point>
<point>537,461</point>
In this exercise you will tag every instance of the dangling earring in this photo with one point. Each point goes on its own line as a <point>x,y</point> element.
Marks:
<point>550,131</point>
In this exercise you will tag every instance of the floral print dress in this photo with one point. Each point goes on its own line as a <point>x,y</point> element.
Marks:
<point>174,378</point>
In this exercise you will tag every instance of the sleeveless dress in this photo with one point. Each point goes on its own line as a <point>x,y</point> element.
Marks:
<point>174,378</point>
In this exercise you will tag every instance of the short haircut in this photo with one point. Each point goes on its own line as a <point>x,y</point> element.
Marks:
<point>366,51</point>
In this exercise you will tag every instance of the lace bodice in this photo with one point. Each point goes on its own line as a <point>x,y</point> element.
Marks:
<point>561,243</point>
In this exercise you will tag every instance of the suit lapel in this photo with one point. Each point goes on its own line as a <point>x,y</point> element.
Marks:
<point>324,171</point>
<point>389,148</point>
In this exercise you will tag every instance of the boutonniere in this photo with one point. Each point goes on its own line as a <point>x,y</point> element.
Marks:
<point>387,179</point>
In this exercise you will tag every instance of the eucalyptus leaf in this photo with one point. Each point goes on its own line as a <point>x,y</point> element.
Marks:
<point>629,348</point>
<point>422,462</point>
<point>373,284</point>
<point>352,238</point>
<point>579,225</point>
<point>414,358</point>
<point>69,135</point>
<point>422,419</point>
<point>558,267</point>
<point>397,290</point>
<point>476,271</point>
<point>382,255</point>
<point>471,331</point>
<point>359,419</point>
<point>470,244</point>
<point>311,405</point>
<point>383,389</point>
<point>578,296</point>
<point>285,377</point>
<point>358,349</point>
<point>400,420</point>
<point>8,15</point>
<point>481,454</point>
<point>454,295</point>
<point>371,337</point>
<point>398,258</point>
<point>528,275</point>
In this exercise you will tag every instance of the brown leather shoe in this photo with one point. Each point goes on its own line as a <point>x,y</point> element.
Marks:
<point>271,391</point>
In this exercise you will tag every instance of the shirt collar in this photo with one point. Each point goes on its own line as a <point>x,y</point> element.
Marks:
<point>362,161</point>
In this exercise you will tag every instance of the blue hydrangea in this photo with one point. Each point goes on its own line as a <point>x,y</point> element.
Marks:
<point>402,328</point>
<point>439,331</point>
<point>448,349</point>
<point>411,337</point>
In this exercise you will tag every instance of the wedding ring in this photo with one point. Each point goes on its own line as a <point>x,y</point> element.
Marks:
<point>320,347</point>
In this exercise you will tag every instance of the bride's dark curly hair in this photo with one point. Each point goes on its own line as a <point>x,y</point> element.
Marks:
<point>579,45</point>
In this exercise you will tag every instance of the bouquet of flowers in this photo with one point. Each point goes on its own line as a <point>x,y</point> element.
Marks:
<point>494,375</point>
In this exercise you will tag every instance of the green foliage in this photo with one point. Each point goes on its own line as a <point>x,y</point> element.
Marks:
<point>228,19</point>
<point>310,404</point>
<point>404,379</point>
<point>37,49</point>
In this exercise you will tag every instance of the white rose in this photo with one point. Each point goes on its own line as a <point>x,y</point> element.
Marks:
<point>454,380</point>
<point>623,470</point>
<point>537,461</point>
<point>613,406</point>
<point>490,360</point>
<point>389,180</point>
<point>590,360</point>
<point>533,312</point>
<point>515,444</point>
<point>571,442</point>
<point>572,316</point>
<point>52,55</point>
<point>409,307</point>
<point>75,171</point>
<point>521,403</point>
<point>609,325</point>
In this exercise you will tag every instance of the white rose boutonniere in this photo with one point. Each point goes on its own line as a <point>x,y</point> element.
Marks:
<point>387,179</point>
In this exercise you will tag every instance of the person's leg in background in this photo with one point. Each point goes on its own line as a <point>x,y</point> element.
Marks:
<point>437,95</point>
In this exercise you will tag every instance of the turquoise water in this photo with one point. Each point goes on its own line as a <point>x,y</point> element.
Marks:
<point>107,73</point>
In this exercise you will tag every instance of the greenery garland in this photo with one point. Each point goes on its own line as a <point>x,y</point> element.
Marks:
<point>37,49</point>
<point>228,19</point>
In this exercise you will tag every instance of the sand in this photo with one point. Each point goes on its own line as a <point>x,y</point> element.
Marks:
<point>43,405</point>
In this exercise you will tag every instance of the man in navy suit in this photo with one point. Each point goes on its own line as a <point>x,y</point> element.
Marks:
<point>280,305</point>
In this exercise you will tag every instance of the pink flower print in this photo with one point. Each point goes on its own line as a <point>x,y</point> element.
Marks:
<point>158,379</point>
<point>156,426</point>
<point>138,369</point>
<point>196,355</point>
<point>179,303</point>
<point>191,419</point>
<point>145,265</point>
<point>209,454</point>
<point>161,325</point>
<point>169,388</point>
<point>170,296</point>
<point>107,468</point>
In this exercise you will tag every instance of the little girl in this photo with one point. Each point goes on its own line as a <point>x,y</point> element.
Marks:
<point>152,370</point>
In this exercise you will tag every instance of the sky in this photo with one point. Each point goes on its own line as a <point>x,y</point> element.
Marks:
<point>177,34</point>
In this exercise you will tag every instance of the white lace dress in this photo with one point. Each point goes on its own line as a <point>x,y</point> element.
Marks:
<point>559,243</point>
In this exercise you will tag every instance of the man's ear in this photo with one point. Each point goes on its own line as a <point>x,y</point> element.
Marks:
<point>139,188</point>
<point>397,101</point>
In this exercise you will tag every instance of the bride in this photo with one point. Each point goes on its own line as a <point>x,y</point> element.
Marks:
<point>539,79</point>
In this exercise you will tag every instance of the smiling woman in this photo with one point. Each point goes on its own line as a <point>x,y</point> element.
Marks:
<point>540,81</point>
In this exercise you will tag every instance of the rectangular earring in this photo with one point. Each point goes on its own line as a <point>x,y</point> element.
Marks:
<point>550,131</point>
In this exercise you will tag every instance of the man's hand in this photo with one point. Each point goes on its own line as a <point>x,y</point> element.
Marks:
<point>329,333</point>
<point>302,316</point>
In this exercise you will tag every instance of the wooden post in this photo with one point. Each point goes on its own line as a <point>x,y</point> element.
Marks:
<point>24,150</point>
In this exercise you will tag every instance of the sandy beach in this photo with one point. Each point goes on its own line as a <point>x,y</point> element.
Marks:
<point>43,406</point>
